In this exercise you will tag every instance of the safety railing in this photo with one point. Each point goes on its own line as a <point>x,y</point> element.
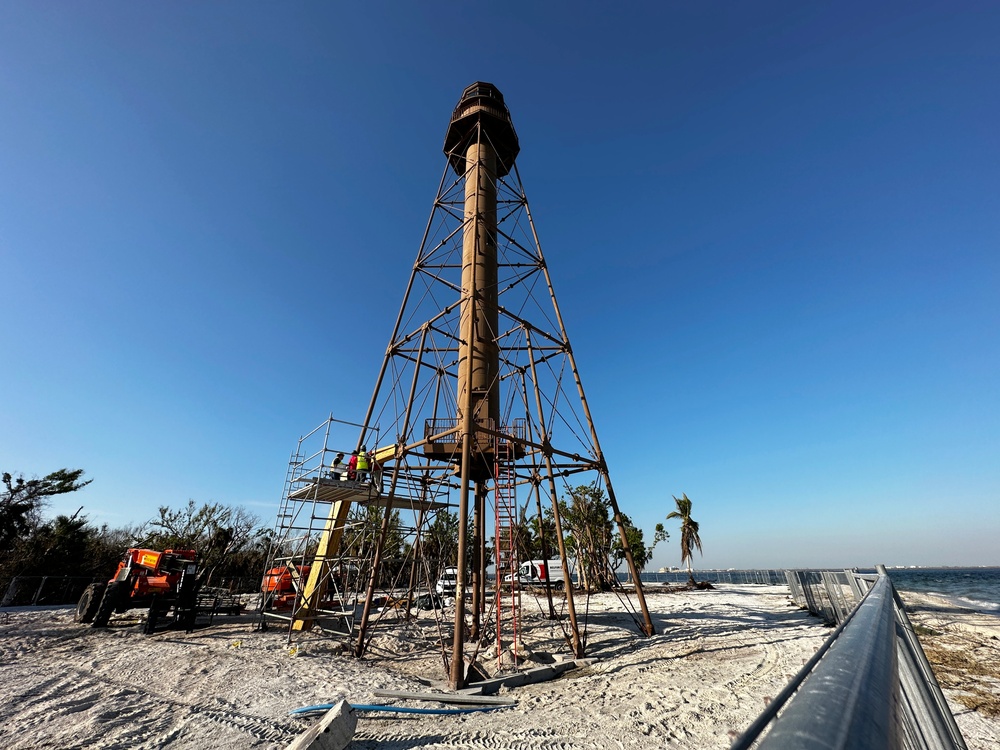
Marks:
<point>516,430</point>
<point>868,686</point>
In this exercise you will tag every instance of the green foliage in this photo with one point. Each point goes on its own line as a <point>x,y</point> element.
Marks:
<point>641,554</point>
<point>543,528</point>
<point>31,546</point>
<point>66,541</point>
<point>439,543</point>
<point>661,535</point>
<point>365,524</point>
<point>690,540</point>
<point>592,538</point>
<point>526,539</point>
<point>64,546</point>
<point>106,546</point>
<point>529,532</point>
<point>56,548</point>
<point>228,539</point>
<point>21,501</point>
<point>589,536</point>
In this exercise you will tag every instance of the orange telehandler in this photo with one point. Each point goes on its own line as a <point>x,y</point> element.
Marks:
<point>280,585</point>
<point>160,581</point>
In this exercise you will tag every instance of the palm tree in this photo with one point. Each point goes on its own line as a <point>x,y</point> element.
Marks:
<point>689,531</point>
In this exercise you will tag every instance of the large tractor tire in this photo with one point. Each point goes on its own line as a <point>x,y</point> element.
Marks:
<point>109,602</point>
<point>90,600</point>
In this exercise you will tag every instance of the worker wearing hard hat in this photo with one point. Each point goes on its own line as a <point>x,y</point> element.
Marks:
<point>363,464</point>
<point>337,466</point>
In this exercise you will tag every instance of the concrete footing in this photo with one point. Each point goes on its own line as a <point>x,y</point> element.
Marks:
<point>333,732</point>
<point>527,677</point>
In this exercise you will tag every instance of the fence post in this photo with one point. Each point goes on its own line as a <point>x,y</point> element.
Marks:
<point>11,592</point>
<point>38,592</point>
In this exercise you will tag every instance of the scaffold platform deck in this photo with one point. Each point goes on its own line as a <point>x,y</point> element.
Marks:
<point>362,493</point>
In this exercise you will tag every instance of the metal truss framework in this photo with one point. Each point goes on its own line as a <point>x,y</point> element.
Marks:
<point>544,415</point>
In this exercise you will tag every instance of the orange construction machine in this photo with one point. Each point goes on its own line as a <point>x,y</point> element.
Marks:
<point>281,584</point>
<point>161,581</point>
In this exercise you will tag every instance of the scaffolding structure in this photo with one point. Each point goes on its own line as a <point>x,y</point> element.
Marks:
<point>310,585</point>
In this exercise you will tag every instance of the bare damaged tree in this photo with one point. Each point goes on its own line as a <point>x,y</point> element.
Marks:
<point>214,530</point>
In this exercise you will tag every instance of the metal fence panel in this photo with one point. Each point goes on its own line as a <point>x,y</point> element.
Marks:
<point>795,586</point>
<point>834,584</point>
<point>38,590</point>
<point>868,686</point>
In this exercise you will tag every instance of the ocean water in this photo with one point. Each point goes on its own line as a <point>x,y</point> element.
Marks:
<point>970,588</point>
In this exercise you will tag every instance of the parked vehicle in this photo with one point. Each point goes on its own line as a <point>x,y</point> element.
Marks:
<point>161,581</point>
<point>428,601</point>
<point>281,584</point>
<point>447,584</point>
<point>537,573</point>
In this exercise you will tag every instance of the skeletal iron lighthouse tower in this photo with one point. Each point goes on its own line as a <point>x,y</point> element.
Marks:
<point>478,408</point>
<point>481,146</point>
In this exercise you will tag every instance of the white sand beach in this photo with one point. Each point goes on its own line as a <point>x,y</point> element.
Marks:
<point>719,656</point>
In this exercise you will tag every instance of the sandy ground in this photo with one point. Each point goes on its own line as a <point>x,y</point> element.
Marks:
<point>718,657</point>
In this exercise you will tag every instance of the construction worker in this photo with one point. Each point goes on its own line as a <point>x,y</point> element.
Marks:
<point>352,466</point>
<point>338,461</point>
<point>363,464</point>
<point>376,470</point>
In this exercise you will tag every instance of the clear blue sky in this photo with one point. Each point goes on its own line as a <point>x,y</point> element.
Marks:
<point>773,228</point>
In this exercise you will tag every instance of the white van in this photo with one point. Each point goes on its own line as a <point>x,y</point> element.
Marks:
<point>537,572</point>
<point>448,582</point>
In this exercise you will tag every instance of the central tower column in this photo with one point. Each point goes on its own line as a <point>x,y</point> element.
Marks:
<point>481,146</point>
<point>479,357</point>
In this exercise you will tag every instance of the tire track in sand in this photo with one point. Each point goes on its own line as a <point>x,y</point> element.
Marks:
<point>125,712</point>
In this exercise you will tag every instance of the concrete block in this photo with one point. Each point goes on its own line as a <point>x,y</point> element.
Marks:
<point>333,732</point>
